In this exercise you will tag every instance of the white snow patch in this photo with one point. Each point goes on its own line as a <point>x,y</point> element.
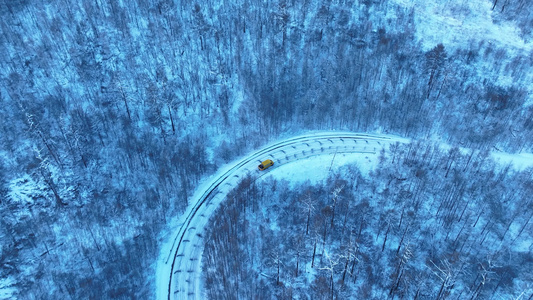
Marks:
<point>6,288</point>
<point>23,189</point>
<point>317,168</point>
<point>457,24</point>
<point>519,161</point>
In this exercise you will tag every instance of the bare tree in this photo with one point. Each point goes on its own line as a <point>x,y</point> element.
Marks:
<point>332,262</point>
<point>308,206</point>
<point>435,60</point>
<point>398,273</point>
<point>335,193</point>
<point>447,274</point>
<point>485,273</point>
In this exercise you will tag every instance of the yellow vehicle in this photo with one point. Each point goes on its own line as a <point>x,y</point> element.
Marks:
<point>264,165</point>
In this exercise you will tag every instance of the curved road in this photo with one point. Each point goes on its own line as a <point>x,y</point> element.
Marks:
<point>182,265</point>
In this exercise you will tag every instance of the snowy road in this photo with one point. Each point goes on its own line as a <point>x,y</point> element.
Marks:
<point>182,265</point>
<point>179,268</point>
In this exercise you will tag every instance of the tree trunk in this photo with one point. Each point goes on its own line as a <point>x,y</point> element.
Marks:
<point>401,241</point>
<point>308,218</point>
<point>441,288</point>
<point>345,268</point>
<point>385,240</point>
<point>314,252</point>
<point>297,262</point>
<point>171,119</point>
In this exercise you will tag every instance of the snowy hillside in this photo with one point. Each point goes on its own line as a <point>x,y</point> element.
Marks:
<point>442,225</point>
<point>114,112</point>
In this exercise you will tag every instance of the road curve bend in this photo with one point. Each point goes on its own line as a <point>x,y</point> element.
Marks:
<point>179,272</point>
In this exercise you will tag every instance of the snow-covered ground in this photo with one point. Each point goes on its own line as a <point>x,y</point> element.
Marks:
<point>181,255</point>
<point>6,288</point>
<point>457,24</point>
<point>179,266</point>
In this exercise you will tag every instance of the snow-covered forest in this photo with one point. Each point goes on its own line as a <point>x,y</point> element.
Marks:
<point>427,223</point>
<point>113,111</point>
